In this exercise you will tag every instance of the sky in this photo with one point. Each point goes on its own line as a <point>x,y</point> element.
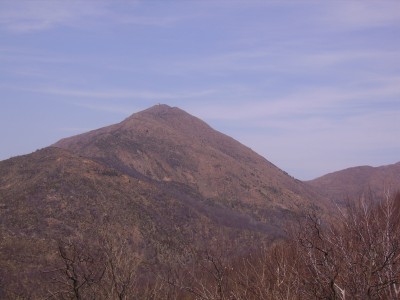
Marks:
<point>313,86</point>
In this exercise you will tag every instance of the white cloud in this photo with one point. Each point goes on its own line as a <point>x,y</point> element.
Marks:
<point>111,94</point>
<point>362,14</point>
<point>118,93</point>
<point>29,56</point>
<point>75,129</point>
<point>24,16</point>
<point>107,107</point>
<point>312,147</point>
<point>29,16</point>
<point>279,60</point>
<point>323,101</point>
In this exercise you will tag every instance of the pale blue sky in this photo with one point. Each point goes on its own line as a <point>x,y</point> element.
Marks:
<point>313,86</point>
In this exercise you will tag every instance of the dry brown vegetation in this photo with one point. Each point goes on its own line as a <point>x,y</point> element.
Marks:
<point>161,206</point>
<point>352,182</point>
<point>168,144</point>
<point>357,257</point>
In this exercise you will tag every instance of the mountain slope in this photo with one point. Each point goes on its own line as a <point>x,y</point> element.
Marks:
<point>53,195</point>
<point>168,144</point>
<point>162,181</point>
<point>355,182</point>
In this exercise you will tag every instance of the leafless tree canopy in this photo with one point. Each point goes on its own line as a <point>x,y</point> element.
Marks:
<point>354,257</point>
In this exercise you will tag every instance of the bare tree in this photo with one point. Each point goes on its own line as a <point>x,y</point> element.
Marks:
<point>355,258</point>
<point>121,277</point>
<point>79,273</point>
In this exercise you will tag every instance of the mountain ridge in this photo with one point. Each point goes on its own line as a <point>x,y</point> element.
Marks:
<point>168,144</point>
<point>359,181</point>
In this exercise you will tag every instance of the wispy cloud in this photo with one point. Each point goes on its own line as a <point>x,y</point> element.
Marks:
<point>159,21</point>
<point>29,56</point>
<point>275,60</point>
<point>75,129</point>
<point>322,101</point>
<point>314,146</point>
<point>117,93</point>
<point>353,15</point>
<point>118,108</point>
<point>28,16</point>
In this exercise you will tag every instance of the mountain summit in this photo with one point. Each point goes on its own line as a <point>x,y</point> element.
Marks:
<point>165,143</point>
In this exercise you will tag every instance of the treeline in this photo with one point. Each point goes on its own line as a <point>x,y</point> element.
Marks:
<point>356,256</point>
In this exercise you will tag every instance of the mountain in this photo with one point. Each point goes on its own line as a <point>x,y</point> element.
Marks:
<point>167,144</point>
<point>161,182</point>
<point>352,183</point>
<point>53,195</point>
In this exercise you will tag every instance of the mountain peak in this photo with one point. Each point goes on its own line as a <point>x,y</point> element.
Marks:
<point>160,113</point>
<point>160,110</point>
<point>163,117</point>
<point>166,143</point>
<point>159,107</point>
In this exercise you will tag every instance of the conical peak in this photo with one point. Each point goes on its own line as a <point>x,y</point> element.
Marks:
<point>159,111</point>
<point>164,113</point>
<point>162,109</point>
<point>162,119</point>
<point>158,108</point>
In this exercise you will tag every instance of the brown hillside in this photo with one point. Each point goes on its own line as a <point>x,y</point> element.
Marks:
<point>353,183</point>
<point>53,195</point>
<point>167,144</point>
<point>162,182</point>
